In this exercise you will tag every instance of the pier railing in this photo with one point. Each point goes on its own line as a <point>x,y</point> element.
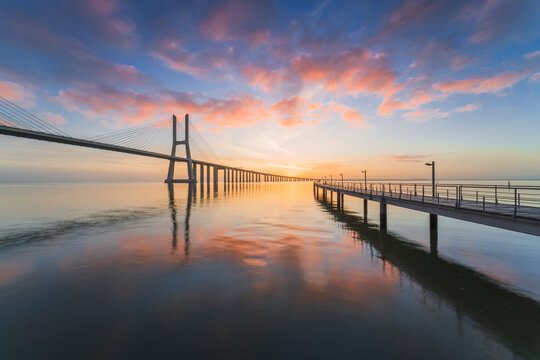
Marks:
<point>514,200</point>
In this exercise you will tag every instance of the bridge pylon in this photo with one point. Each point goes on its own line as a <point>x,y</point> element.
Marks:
<point>185,142</point>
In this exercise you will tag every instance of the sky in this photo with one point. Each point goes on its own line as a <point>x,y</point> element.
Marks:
<point>307,88</point>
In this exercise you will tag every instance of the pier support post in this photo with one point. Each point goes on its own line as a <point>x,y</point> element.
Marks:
<point>339,200</point>
<point>202,173</point>
<point>433,234</point>
<point>382,213</point>
<point>365,210</point>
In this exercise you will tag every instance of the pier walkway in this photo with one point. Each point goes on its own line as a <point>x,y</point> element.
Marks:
<point>509,207</point>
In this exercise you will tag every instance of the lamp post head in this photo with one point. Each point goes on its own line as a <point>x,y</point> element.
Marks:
<point>429,164</point>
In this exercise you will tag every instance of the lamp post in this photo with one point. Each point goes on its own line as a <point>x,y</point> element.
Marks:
<point>432,164</point>
<point>330,179</point>
<point>341,180</point>
<point>365,179</point>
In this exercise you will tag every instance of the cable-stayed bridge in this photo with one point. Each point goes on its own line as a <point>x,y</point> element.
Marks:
<point>150,140</point>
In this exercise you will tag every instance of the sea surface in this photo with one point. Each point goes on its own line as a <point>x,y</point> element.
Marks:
<point>254,271</point>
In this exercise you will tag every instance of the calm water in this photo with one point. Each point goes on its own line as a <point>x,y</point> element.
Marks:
<point>258,271</point>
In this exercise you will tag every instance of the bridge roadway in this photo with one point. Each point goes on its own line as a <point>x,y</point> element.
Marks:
<point>525,219</point>
<point>231,174</point>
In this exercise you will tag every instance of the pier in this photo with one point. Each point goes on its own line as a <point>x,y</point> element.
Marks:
<point>515,208</point>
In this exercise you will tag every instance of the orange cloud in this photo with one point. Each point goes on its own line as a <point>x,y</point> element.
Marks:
<point>352,116</point>
<point>481,85</point>
<point>263,79</point>
<point>389,105</point>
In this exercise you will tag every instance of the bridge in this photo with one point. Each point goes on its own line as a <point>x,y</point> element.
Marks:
<point>514,208</point>
<point>141,140</point>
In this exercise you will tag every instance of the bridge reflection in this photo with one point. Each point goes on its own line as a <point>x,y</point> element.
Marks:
<point>513,317</point>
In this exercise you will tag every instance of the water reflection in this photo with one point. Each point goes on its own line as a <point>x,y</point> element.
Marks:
<point>264,273</point>
<point>191,198</point>
<point>513,317</point>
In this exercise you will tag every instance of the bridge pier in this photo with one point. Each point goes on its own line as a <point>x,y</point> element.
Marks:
<point>202,173</point>
<point>382,213</point>
<point>190,165</point>
<point>338,200</point>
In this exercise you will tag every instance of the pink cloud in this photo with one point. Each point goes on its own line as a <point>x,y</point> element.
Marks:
<point>176,57</point>
<point>264,79</point>
<point>290,111</point>
<point>353,117</point>
<point>479,85</point>
<point>16,93</point>
<point>425,115</point>
<point>125,106</point>
<point>470,107</point>
<point>235,111</point>
<point>234,20</point>
<point>389,105</point>
<point>128,106</point>
<point>351,71</point>
<point>51,118</point>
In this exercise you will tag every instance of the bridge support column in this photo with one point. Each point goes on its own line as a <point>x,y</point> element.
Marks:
<point>208,174</point>
<point>382,213</point>
<point>216,175</point>
<point>195,172</point>
<point>190,166</point>
<point>433,234</point>
<point>339,200</point>
<point>202,173</point>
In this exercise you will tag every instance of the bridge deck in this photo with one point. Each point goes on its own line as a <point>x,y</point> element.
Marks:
<point>519,218</point>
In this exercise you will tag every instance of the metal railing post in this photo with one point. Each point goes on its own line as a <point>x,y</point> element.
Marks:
<point>515,202</point>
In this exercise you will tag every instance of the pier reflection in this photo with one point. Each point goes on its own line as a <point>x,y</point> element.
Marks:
<point>513,317</point>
